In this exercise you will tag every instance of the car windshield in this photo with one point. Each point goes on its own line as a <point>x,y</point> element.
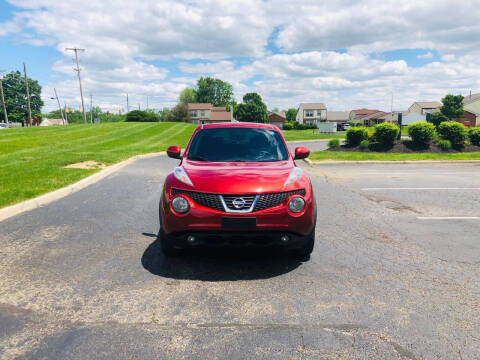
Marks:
<point>237,144</point>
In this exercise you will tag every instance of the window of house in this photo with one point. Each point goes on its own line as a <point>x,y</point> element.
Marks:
<point>308,113</point>
<point>193,113</point>
<point>202,113</point>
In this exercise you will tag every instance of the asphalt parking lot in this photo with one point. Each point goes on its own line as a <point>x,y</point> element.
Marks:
<point>395,274</point>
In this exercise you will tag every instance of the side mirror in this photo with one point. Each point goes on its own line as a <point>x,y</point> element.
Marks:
<point>174,152</point>
<point>301,152</point>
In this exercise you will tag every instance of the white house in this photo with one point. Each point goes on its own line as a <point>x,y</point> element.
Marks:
<point>424,107</point>
<point>311,113</point>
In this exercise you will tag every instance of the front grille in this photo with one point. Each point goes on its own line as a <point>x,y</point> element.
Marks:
<point>209,200</point>
<point>247,198</point>
<point>213,201</point>
<point>266,201</point>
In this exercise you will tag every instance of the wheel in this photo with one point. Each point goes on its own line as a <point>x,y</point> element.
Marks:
<point>166,245</point>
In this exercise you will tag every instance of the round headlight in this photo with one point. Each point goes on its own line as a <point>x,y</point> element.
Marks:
<point>296,205</point>
<point>180,205</point>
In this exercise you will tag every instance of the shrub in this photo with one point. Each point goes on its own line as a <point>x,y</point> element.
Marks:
<point>298,126</point>
<point>453,131</point>
<point>142,116</point>
<point>444,144</point>
<point>474,136</point>
<point>333,143</point>
<point>421,132</point>
<point>356,135</point>
<point>287,126</point>
<point>364,144</point>
<point>386,133</point>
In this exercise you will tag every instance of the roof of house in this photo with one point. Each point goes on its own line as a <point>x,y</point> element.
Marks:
<point>219,108</point>
<point>337,115</point>
<point>471,98</point>
<point>428,104</point>
<point>236,124</point>
<point>199,106</point>
<point>279,113</point>
<point>380,115</point>
<point>313,106</point>
<point>364,112</point>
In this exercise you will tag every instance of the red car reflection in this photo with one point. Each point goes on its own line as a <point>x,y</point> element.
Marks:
<point>237,185</point>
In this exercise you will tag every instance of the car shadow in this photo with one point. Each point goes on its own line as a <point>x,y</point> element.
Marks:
<point>218,264</point>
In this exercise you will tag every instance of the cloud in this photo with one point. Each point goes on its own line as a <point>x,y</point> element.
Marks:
<point>289,52</point>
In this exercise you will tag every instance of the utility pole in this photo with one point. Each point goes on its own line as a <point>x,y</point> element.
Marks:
<point>128,108</point>
<point>3,100</point>
<point>65,112</point>
<point>147,102</point>
<point>28,95</point>
<point>59,106</point>
<point>76,50</point>
<point>138,106</point>
<point>91,109</point>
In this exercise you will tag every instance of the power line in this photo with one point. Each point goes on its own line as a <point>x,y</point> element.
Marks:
<point>76,50</point>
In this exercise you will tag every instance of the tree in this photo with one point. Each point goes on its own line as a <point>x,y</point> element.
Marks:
<point>437,118</point>
<point>178,113</point>
<point>291,114</point>
<point>15,97</point>
<point>214,91</point>
<point>187,95</point>
<point>252,109</point>
<point>142,116</point>
<point>163,113</point>
<point>452,106</point>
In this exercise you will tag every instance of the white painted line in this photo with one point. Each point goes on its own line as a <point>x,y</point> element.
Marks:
<point>420,188</point>
<point>448,217</point>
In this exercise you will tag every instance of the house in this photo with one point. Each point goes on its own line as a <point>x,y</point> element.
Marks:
<point>199,113</point>
<point>424,107</point>
<point>339,117</point>
<point>471,105</point>
<point>276,118</point>
<point>311,113</point>
<point>51,122</point>
<point>356,115</point>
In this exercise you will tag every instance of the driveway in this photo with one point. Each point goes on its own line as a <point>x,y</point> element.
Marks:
<point>83,277</point>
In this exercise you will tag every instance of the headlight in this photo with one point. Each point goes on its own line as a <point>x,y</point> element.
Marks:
<point>180,205</point>
<point>296,204</point>
<point>180,173</point>
<point>294,176</point>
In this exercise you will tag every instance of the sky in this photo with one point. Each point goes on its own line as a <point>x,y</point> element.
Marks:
<point>347,54</point>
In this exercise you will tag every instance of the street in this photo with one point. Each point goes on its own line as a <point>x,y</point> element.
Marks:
<point>395,274</point>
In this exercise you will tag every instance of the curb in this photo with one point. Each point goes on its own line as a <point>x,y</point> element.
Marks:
<point>47,198</point>
<point>307,141</point>
<point>327,162</point>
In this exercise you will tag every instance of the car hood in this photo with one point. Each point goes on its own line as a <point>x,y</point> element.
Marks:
<point>238,177</point>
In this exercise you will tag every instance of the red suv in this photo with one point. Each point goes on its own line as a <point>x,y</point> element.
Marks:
<point>237,185</point>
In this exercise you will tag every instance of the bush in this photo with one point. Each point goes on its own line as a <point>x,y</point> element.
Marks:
<point>474,136</point>
<point>356,135</point>
<point>453,131</point>
<point>142,116</point>
<point>333,143</point>
<point>364,144</point>
<point>444,144</point>
<point>299,126</point>
<point>386,133</point>
<point>421,132</point>
<point>437,118</point>
<point>287,126</point>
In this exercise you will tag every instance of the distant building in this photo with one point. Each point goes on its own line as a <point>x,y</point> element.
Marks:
<point>277,118</point>
<point>471,105</point>
<point>357,115</point>
<point>311,113</point>
<point>51,122</point>
<point>199,113</point>
<point>338,116</point>
<point>425,107</point>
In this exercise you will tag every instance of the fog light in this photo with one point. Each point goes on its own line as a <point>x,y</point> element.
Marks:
<point>284,238</point>
<point>191,239</point>
<point>296,204</point>
<point>180,205</point>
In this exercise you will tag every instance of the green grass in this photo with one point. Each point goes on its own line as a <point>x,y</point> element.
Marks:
<point>365,156</point>
<point>294,135</point>
<point>32,160</point>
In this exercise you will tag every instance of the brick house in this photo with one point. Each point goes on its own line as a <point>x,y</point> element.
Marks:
<point>276,118</point>
<point>199,113</point>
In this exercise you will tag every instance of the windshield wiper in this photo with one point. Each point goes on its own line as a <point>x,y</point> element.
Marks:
<point>197,158</point>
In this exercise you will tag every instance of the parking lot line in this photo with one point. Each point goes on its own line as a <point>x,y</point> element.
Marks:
<point>448,217</point>
<point>420,188</point>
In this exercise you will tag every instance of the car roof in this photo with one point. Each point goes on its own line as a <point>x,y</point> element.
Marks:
<point>236,125</point>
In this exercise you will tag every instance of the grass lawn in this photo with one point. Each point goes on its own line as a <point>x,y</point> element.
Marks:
<point>32,160</point>
<point>360,156</point>
<point>293,135</point>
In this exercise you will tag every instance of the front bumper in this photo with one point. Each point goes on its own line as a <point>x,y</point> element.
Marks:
<point>205,224</point>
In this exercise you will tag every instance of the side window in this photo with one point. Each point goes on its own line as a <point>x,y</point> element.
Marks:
<point>202,113</point>
<point>308,113</point>
<point>193,113</point>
